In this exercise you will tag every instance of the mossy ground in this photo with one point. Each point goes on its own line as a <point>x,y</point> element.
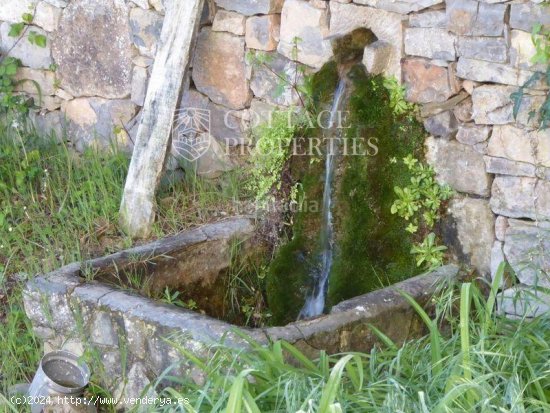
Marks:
<point>372,246</point>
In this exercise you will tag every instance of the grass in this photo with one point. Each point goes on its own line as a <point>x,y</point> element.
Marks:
<point>58,207</point>
<point>472,360</point>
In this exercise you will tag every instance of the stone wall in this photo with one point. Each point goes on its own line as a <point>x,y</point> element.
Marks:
<point>459,59</point>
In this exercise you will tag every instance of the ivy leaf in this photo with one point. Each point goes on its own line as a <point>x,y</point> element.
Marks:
<point>27,18</point>
<point>16,29</point>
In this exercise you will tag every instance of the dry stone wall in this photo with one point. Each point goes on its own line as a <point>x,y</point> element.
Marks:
<point>459,59</point>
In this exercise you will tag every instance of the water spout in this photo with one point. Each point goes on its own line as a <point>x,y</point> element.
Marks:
<point>315,301</point>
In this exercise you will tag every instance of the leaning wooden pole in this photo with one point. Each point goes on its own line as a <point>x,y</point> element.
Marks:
<point>137,210</point>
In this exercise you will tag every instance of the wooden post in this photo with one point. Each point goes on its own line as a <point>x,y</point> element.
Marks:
<point>137,210</point>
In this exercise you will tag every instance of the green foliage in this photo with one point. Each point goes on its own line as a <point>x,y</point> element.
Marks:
<point>372,246</point>
<point>173,298</point>
<point>541,40</point>
<point>473,361</point>
<point>419,203</point>
<point>9,101</point>
<point>397,100</point>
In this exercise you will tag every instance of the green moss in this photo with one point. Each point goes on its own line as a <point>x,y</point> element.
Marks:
<point>372,246</point>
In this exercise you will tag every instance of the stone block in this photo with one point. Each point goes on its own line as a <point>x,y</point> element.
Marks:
<point>483,48</point>
<point>492,104</point>
<point>146,26</point>
<point>432,43</point>
<point>35,81</point>
<point>426,82</point>
<point>471,134</point>
<point>219,69</point>
<point>12,10</point>
<point>262,32</point>
<point>398,6</point>
<point>523,301</point>
<point>474,226</point>
<point>521,197</point>
<point>471,18</point>
<point>443,125</point>
<point>252,7</point>
<point>524,16</point>
<point>93,49</point>
<point>228,21</point>
<point>47,16</point>
<point>503,166</point>
<point>522,50</point>
<point>139,85</point>
<point>520,145</point>
<point>377,57</point>
<point>30,55</point>
<point>301,20</point>
<point>458,165</point>
<point>501,224</point>
<point>484,71</point>
<point>434,18</point>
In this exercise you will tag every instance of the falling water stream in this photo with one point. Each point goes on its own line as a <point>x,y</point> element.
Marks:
<point>315,301</point>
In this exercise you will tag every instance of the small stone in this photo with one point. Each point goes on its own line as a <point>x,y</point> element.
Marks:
<point>497,257</point>
<point>503,166</point>
<point>435,19</point>
<point>431,43</point>
<point>251,7</point>
<point>472,134</point>
<point>158,5</point>
<point>426,82</point>
<point>219,69</point>
<point>492,104</point>
<point>63,94</point>
<point>469,86</point>
<point>50,124</point>
<point>443,125</point>
<point>144,4</point>
<point>526,248</point>
<point>524,16</point>
<point>260,112</point>
<point>139,85</point>
<point>262,32</point>
<point>521,197</point>
<point>463,111</point>
<point>146,26</point>
<point>470,18</point>
<point>320,4</point>
<point>94,61</point>
<point>30,55</point>
<point>136,385</point>
<point>483,71</point>
<point>473,224</point>
<point>35,81</point>
<point>301,20</point>
<point>228,21</point>
<point>458,165</point>
<point>102,331</point>
<point>47,16</point>
<point>74,346</point>
<point>142,61</point>
<point>501,223</point>
<point>483,48</point>
<point>213,162</point>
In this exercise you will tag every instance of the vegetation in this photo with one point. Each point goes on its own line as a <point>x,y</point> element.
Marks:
<point>472,360</point>
<point>373,247</point>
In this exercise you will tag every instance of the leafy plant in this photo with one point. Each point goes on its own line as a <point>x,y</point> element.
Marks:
<point>397,96</point>
<point>428,253</point>
<point>172,298</point>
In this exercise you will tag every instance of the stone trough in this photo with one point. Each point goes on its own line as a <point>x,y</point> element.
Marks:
<point>126,331</point>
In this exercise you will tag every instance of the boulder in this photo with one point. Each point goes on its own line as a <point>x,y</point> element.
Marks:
<point>146,26</point>
<point>521,197</point>
<point>398,6</point>
<point>426,82</point>
<point>527,250</point>
<point>252,7</point>
<point>458,165</point>
<point>93,49</point>
<point>219,69</point>
<point>30,55</point>
<point>474,226</point>
<point>228,21</point>
<point>266,83</point>
<point>432,43</point>
<point>262,32</point>
<point>471,18</point>
<point>300,20</point>
<point>386,26</point>
<point>483,48</point>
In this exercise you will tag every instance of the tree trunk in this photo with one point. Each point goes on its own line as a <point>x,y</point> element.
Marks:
<point>137,210</point>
